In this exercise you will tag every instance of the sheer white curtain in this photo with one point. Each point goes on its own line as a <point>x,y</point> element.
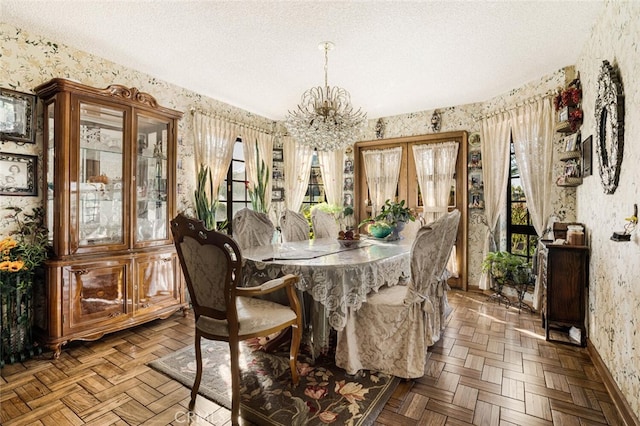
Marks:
<point>332,169</point>
<point>382,169</point>
<point>297,166</point>
<point>251,137</point>
<point>435,165</point>
<point>213,143</point>
<point>495,172</point>
<point>533,131</point>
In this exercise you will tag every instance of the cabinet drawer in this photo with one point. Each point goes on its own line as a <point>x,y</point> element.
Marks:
<point>96,294</point>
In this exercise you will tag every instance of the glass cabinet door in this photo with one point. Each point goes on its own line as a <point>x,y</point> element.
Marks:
<point>152,209</point>
<point>50,144</point>
<point>100,176</point>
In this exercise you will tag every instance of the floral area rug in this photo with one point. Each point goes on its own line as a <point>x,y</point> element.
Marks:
<point>325,394</point>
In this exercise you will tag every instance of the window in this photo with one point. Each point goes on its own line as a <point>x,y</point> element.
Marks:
<point>233,193</point>
<point>521,235</point>
<point>315,190</point>
<point>234,196</point>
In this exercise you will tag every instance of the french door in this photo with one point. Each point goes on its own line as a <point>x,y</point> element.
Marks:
<point>409,190</point>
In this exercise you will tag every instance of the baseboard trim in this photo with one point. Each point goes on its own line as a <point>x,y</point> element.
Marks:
<point>624,409</point>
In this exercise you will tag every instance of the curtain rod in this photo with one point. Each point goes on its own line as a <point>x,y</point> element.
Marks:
<point>229,120</point>
<point>550,93</point>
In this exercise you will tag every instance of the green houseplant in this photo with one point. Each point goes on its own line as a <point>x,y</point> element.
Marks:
<point>391,219</point>
<point>506,268</point>
<point>257,191</point>
<point>393,212</point>
<point>205,207</point>
<point>22,255</point>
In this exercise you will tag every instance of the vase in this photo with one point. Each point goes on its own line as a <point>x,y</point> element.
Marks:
<point>395,234</point>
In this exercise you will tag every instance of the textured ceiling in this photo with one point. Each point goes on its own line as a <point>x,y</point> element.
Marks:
<point>393,56</point>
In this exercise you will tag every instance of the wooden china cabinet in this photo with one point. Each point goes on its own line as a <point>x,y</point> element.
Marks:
<point>110,161</point>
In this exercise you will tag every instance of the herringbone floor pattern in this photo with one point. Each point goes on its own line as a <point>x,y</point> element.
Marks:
<point>492,367</point>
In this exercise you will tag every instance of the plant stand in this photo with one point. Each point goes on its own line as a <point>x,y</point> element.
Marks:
<point>16,317</point>
<point>521,289</point>
<point>498,295</point>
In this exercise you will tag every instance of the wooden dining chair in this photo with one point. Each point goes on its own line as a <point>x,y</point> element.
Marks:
<point>294,226</point>
<point>391,331</point>
<point>252,229</point>
<point>212,266</point>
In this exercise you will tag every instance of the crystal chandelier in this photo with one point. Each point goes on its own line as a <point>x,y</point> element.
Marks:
<point>325,118</point>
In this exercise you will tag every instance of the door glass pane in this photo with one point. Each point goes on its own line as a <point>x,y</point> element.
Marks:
<point>151,179</point>
<point>101,168</point>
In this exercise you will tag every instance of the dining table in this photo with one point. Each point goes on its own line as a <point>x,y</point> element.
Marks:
<point>334,279</point>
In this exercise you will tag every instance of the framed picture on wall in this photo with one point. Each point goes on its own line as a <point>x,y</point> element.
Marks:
<point>587,147</point>
<point>476,200</point>
<point>277,194</point>
<point>17,116</point>
<point>475,180</point>
<point>18,174</point>
<point>277,174</point>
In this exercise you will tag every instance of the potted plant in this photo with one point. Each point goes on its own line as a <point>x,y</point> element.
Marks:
<point>205,207</point>
<point>506,268</point>
<point>390,220</point>
<point>22,254</point>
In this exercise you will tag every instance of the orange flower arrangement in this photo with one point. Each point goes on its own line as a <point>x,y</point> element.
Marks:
<point>8,261</point>
<point>29,247</point>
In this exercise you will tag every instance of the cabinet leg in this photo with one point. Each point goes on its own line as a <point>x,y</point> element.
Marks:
<point>57,350</point>
<point>545,324</point>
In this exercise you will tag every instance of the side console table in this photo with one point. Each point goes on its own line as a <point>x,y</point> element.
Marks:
<point>564,272</point>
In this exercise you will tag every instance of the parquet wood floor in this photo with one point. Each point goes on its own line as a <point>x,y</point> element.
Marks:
<point>492,367</point>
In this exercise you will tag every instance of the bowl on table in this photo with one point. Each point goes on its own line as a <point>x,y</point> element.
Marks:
<point>380,231</point>
<point>349,243</point>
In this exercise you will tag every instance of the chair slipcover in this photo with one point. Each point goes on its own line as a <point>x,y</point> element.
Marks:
<point>252,229</point>
<point>294,226</point>
<point>212,267</point>
<point>411,228</point>
<point>324,224</point>
<point>390,333</point>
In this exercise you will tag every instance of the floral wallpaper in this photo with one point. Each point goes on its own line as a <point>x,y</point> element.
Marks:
<point>29,60</point>
<point>614,290</point>
<point>614,296</point>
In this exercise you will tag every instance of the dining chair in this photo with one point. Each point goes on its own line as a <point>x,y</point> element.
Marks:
<point>212,266</point>
<point>324,224</point>
<point>252,229</point>
<point>294,226</point>
<point>411,227</point>
<point>391,331</point>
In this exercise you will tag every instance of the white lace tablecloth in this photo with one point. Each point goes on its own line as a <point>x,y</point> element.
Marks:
<point>336,278</point>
